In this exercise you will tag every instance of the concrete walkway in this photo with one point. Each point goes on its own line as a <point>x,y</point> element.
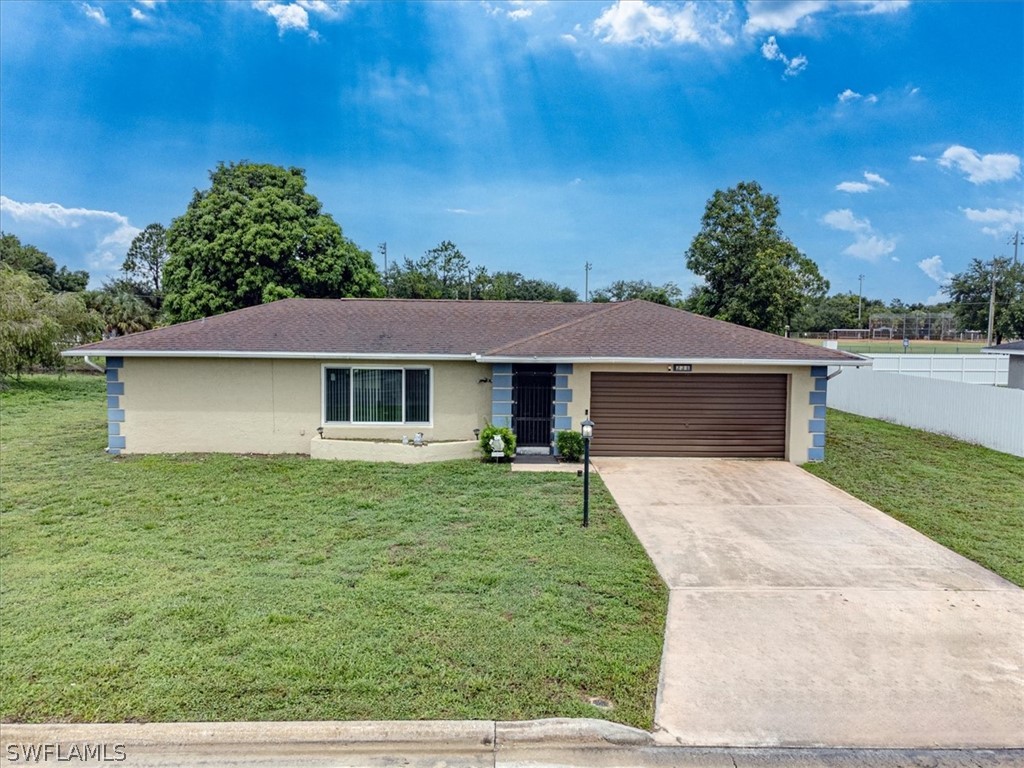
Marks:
<point>800,616</point>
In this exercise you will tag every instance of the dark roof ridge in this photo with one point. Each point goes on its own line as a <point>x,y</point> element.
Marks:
<point>612,305</point>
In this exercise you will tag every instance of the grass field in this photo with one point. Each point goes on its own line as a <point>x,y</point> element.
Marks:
<point>226,588</point>
<point>895,346</point>
<point>966,497</point>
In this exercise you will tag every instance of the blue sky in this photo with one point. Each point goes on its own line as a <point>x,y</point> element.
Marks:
<point>536,135</point>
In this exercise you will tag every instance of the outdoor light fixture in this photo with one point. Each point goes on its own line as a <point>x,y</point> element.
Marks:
<point>476,433</point>
<point>320,431</point>
<point>587,430</point>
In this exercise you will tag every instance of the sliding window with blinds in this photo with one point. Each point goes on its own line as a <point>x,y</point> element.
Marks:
<point>377,395</point>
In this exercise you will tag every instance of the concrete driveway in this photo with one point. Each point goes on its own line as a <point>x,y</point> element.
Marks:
<point>800,616</point>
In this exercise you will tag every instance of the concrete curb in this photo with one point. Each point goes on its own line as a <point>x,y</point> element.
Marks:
<point>566,731</point>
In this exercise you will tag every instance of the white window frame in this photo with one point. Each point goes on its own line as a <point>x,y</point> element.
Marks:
<point>351,395</point>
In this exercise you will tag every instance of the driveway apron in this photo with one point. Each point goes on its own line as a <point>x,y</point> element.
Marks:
<point>801,616</point>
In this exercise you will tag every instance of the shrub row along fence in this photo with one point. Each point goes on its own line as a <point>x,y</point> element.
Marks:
<point>989,416</point>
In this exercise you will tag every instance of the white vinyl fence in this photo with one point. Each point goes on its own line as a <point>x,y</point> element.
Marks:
<point>971,369</point>
<point>989,416</point>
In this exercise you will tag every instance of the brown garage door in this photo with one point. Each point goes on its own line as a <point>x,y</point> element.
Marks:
<point>709,414</point>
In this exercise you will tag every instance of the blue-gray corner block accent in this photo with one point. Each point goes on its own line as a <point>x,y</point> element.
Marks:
<point>113,401</point>
<point>502,380</point>
<point>501,368</point>
<point>115,387</point>
<point>501,421</point>
<point>819,370</point>
<point>563,395</point>
<point>820,385</point>
<point>501,409</point>
<point>114,451</point>
<point>819,411</point>
<point>115,414</point>
<point>112,374</point>
<point>818,440</point>
<point>563,422</point>
<point>115,362</point>
<point>561,382</point>
<point>816,425</point>
<point>113,428</point>
<point>563,369</point>
<point>815,454</point>
<point>116,442</point>
<point>561,409</point>
<point>818,398</point>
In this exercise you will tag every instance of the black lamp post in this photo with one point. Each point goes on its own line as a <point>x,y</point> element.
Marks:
<point>587,430</point>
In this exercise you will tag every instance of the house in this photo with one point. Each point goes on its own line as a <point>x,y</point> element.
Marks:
<point>1015,349</point>
<point>371,373</point>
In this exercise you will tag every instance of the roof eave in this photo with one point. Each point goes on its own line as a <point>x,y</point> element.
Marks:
<point>241,354</point>
<point>859,361</point>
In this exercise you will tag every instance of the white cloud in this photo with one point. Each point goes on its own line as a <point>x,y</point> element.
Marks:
<point>934,268</point>
<point>978,168</point>
<point>872,180</point>
<point>570,39</point>
<point>639,23</point>
<point>998,221</point>
<point>850,95</point>
<point>771,51</point>
<point>886,6</point>
<point>151,4</point>
<point>854,187</point>
<point>785,16</point>
<point>867,244</point>
<point>96,14</point>
<point>294,16</point>
<point>139,15</point>
<point>108,233</point>
<point>764,16</point>
<point>844,220</point>
<point>918,159</point>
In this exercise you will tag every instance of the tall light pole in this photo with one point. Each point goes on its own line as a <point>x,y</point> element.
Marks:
<point>586,280</point>
<point>991,306</point>
<point>860,298</point>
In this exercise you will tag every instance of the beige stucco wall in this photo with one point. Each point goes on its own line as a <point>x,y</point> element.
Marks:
<point>800,385</point>
<point>271,406</point>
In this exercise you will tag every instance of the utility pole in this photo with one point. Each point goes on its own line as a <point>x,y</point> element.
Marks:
<point>586,281</point>
<point>860,299</point>
<point>991,306</point>
<point>1015,242</point>
<point>383,248</point>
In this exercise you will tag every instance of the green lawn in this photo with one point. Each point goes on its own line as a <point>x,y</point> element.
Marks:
<point>246,588</point>
<point>966,497</point>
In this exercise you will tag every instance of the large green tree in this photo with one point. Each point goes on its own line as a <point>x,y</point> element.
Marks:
<point>971,292</point>
<point>28,258</point>
<point>256,236</point>
<point>837,311</point>
<point>753,275</point>
<point>36,324</point>
<point>143,265</point>
<point>624,290</point>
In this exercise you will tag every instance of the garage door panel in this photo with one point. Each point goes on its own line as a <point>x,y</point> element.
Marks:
<point>720,415</point>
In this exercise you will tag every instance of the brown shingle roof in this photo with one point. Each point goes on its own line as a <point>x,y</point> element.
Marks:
<point>490,329</point>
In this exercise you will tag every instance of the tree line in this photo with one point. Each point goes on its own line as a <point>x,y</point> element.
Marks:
<point>256,235</point>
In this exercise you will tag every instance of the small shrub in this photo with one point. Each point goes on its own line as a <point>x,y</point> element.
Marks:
<point>570,445</point>
<point>506,434</point>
